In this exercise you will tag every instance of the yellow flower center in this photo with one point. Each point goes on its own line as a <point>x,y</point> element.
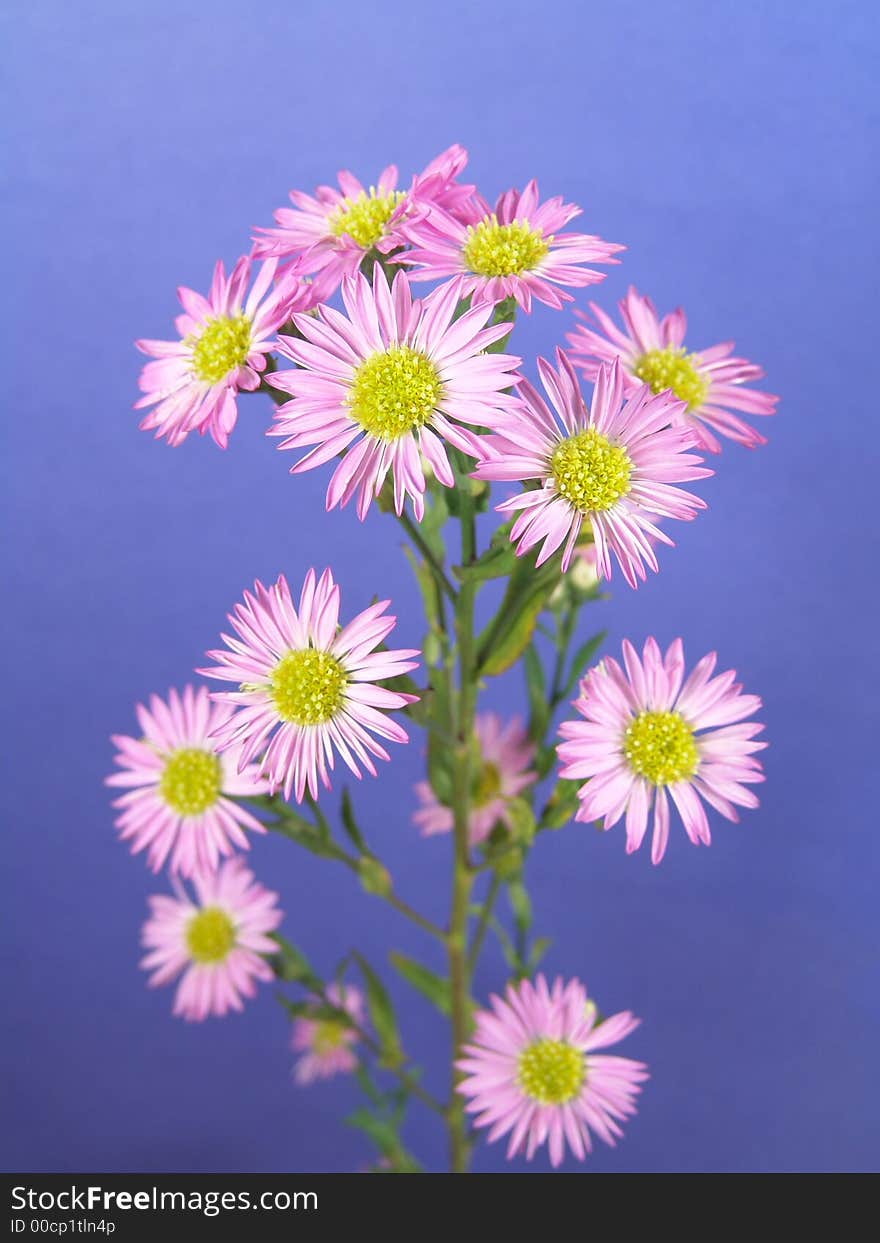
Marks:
<point>328,1035</point>
<point>661,747</point>
<point>591,472</point>
<point>364,218</point>
<point>190,783</point>
<point>673,368</point>
<point>551,1071</point>
<point>487,786</point>
<point>494,249</point>
<point>210,935</point>
<point>223,347</point>
<point>394,392</point>
<point>308,686</point>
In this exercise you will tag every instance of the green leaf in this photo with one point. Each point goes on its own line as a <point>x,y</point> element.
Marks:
<point>319,1010</point>
<point>423,711</point>
<point>432,524</point>
<point>497,561</point>
<point>538,950</point>
<point>381,1012</point>
<point>296,1009</point>
<point>507,947</point>
<point>367,1086</point>
<point>381,1131</point>
<point>561,806</point>
<point>544,760</point>
<point>536,685</point>
<point>299,830</point>
<point>514,640</point>
<point>439,752</point>
<point>581,659</point>
<point>430,985</point>
<point>520,904</point>
<point>424,577</point>
<point>349,823</point>
<point>290,963</point>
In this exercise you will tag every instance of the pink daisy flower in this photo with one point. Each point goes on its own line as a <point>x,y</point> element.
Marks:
<point>502,773</point>
<point>326,1045</point>
<point>214,943</point>
<point>652,351</point>
<point>613,465</point>
<point>192,384</point>
<point>532,1070</point>
<point>307,689</point>
<point>516,251</point>
<point>648,735</point>
<point>388,385</point>
<point>333,232</point>
<point>178,801</point>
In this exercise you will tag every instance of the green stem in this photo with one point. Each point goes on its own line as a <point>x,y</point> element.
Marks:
<point>463,872</point>
<point>331,850</point>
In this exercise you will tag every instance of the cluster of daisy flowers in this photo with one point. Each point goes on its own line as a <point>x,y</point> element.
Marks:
<point>397,393</point>
<point>309,689</point>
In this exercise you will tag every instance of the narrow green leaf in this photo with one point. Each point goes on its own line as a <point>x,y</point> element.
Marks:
<point>439,753</point>
<point>367,1086</point>
<point>290,963</point>
<point>298,830</point>
<point>544,760</point>
<point>498,560</point>
<point>381,1011</point>
<point>515,638</point>
<point>520,904</point>
<point>561,806</point>
<point>425,981</point>
<point>536,685</point>
<point>432,524</point>
<point>538,950</point>
<point>318,1010</point>
<point>381,1131</point>
<point>349,823</point>
<point>424,577</point>
<point>581,660</point>
<point>507,947</point>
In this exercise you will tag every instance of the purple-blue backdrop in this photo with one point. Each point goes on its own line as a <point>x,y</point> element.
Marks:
<point>729,146</point>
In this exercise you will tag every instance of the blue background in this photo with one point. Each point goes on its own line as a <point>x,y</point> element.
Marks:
<point>729,146</point>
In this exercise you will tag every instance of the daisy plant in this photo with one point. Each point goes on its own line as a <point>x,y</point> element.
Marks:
<point>378,330</point>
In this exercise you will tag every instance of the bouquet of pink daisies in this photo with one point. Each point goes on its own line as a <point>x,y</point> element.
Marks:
<point>380,321</point>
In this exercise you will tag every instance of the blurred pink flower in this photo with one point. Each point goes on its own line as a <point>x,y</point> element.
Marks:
<point>217,941</point>
<point>326,1044</point>
<point>502,773</point>
<point>531,1070</point>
